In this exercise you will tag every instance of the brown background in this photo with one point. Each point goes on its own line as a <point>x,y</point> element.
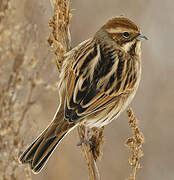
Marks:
<point>153,104</point>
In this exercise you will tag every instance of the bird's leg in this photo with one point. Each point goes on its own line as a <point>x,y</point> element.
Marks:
<point>86,136</point>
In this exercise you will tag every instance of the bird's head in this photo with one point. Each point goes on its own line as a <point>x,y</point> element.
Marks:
<point>124,32</point>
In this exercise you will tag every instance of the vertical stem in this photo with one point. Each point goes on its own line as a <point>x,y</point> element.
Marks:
<point>86,149</point>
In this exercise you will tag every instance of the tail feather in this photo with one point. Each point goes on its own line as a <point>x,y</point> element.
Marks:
<point>40,150</point>
<point>28,154</point>
<point>42,154</point>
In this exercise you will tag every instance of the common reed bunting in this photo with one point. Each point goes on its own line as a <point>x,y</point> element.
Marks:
<point>99,79</point>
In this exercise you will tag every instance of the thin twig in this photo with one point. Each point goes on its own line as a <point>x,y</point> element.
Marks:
<point>91,150</point>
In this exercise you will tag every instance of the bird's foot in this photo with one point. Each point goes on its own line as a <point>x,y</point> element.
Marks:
<point>86,139</point>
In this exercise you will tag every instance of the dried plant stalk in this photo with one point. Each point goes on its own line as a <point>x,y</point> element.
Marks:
<point>92,149</point>
<point>134,144</point>
<point>60,41</point>
<point>59,38</point>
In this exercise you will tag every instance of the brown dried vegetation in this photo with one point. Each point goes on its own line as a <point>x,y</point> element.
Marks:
<point>134,144</point>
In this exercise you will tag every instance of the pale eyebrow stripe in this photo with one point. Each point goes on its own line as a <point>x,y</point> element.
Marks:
<point>118,30</point>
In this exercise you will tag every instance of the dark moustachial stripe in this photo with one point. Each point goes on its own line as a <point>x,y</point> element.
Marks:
<point>128,40</point>
<point>132,49</point>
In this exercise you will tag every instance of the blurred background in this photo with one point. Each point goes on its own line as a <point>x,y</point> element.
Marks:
<point>24,31</point>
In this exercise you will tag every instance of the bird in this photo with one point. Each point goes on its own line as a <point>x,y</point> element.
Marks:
<point>98,80</point>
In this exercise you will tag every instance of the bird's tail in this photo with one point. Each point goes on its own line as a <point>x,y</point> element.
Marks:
<point>42,147</point>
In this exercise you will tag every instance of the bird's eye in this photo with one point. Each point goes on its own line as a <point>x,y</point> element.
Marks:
<point>126,34</point>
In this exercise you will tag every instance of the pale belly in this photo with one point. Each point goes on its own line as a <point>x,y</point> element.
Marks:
<point>105,116</point>
<point>113,110</point>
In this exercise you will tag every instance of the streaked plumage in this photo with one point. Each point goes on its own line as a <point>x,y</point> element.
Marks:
<point>99,78</point>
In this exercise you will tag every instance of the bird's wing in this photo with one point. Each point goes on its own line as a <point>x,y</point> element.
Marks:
<point>97,77</point>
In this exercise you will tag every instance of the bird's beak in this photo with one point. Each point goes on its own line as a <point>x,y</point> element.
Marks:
<point>141,37</point>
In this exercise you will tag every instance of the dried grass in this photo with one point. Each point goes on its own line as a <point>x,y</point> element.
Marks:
<point>134,144</point>
<point>59,38</point>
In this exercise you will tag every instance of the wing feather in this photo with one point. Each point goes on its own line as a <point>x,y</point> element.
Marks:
<point>84,96</point>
